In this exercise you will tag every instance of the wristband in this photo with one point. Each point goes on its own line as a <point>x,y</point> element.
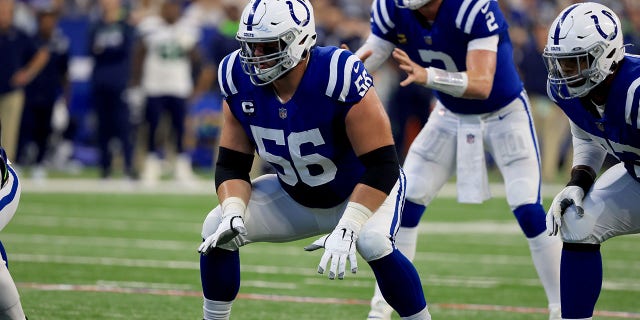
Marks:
<point>451,83</point>
<point>233,206</point>
<point>583,177</point>
<point>354,216</point>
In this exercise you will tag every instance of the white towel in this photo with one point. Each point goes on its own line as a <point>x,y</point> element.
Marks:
<point>471,175</point>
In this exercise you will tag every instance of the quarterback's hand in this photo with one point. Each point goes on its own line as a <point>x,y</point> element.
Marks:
<point>570,195</point>
<point>339,246</point>
<point>229,228</point>
<point>415,72</point>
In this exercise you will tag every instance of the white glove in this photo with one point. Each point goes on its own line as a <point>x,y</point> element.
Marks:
<point>571,195</point>
<point>339,246</point>
<point>232,225</point>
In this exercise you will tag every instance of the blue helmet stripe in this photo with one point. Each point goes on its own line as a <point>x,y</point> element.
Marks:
<point>251,15</point>
<point>556,34</point>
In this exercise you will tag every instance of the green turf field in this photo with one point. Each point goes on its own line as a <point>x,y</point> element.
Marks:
<point>104,256</point>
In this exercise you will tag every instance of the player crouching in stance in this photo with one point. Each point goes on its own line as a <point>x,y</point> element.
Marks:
<point>310,113</point>
<point>10,307</point>
<point>598,87</point>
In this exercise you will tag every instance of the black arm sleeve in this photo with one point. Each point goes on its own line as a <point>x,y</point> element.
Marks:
<point>382,168</point>
<point>232,164</point>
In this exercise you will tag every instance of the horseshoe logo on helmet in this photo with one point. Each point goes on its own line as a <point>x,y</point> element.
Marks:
<point>600,31</point>
<point>301,23</point>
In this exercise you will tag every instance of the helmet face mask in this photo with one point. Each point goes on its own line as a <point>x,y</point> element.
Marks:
<point>275,35</point>
<point>583,48</point>
<point>574,75</point>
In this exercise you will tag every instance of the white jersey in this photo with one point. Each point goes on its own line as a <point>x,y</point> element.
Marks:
<point>167,65</point>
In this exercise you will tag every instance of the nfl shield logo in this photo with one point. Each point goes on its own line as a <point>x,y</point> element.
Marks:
<point>471,138</point>
<point>428,40</point>
<point>282,112</point>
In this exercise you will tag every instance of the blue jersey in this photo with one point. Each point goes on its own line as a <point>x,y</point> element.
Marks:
<point>304,139</point>
<point>618,129</point>
<point>111,48</point>
<point>443,44</point>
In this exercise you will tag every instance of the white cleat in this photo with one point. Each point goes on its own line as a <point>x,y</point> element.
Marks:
<point>183,171</point>
<point>380,310</point>
<point>152,170</point>
<point>555,314</point>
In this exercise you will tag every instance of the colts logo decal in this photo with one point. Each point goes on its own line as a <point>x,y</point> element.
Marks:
<point>301,23</point>
<point>600,31</point>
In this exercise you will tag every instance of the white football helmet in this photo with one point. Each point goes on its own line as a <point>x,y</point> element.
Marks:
<point>274,36</point>
<point>583,47</point>
<point>411,4</point>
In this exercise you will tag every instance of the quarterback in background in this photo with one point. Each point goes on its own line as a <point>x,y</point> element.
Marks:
<point>597,86</point>
<point>461,49</point>
<point>10,189</point>
<point>309,112</point>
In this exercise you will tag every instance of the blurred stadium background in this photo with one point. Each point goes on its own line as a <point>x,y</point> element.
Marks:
<point>84,248</point>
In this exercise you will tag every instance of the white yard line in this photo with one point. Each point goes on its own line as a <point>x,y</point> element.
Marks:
<point>205,187</point>
<point>114,288</point>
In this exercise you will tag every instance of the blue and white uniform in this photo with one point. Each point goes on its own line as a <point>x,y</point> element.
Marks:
<point>306,142</point>
<point>10,306</point>
<point>444,44</point>
<point>608,211</point>
<point>502,118</point>
<point>459,130</point>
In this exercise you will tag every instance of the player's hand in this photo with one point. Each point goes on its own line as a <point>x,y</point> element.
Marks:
<point>365,55</point>
<point>570,195</point>
<point>415,72</point>
<point>230,227</point>
<point>339,246</point>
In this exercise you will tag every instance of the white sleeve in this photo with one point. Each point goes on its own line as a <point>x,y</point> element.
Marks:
<point>586,151</point>
<point>489,43</point>
<point>380,48</point>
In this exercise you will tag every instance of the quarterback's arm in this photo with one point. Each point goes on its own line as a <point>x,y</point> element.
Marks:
<point>369,131</point>
<point>475,83</point>
<point>376,50</point>
<point>481,67</point>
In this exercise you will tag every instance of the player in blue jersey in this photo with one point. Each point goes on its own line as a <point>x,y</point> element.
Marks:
<point>461,50</point>
<point>10,189</point>
<point>309,112</point>
<point>597,86</point>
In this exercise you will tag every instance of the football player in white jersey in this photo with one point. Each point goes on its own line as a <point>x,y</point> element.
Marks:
<point>10,189</point>
<point>597,86</point>
<point>309,112</point>
<point>162,67</point>
<point>461,49</point>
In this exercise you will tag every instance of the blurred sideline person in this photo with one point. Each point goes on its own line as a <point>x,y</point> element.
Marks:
<point>310,113</point>
<point>464,54</point>
<point>552,127</point>
<point>597,86</point>
<point>111,41</point>
<point>10,190</point>
<point>43,92</point>
<point>162,67</point>
<point>20,62</point>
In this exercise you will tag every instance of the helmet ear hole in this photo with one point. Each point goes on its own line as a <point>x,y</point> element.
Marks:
<point>303,40</point>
